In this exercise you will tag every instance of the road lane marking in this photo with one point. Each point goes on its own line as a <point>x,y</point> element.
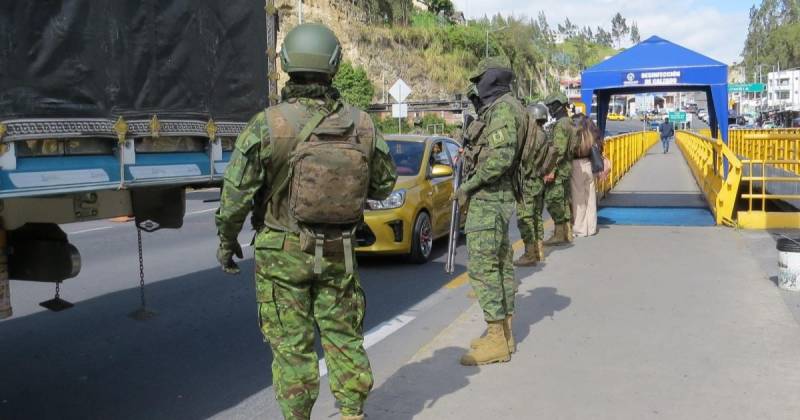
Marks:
<point>376,335</point>
<point>192,213</point>
<point>77,232</point>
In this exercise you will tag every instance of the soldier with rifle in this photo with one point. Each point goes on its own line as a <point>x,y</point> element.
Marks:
<point>491,159</point>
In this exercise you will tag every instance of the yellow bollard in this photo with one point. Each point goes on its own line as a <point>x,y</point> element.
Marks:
<point>5,287</point>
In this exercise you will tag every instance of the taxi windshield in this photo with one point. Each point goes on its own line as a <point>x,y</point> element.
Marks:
<point>407,156</point>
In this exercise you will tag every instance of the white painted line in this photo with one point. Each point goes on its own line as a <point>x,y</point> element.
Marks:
<point>376,335</point>
<point>192,213</point>
<point>77,232</point>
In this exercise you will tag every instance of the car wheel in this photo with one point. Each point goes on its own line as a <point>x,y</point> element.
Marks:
<point>422,239</point>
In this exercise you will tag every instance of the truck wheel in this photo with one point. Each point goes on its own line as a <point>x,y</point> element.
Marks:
<point>421,239</point>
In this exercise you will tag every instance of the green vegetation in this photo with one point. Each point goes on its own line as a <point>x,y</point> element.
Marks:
<point>354,85</point>
<point>435,49</point>
<point>773,38</point>
<point>426,125</point>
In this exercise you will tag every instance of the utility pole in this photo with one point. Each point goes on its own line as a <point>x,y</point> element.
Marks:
<point>300,12</point>
<point>272,52</point>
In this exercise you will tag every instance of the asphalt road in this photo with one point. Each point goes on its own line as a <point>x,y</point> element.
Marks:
<point>202,355</point>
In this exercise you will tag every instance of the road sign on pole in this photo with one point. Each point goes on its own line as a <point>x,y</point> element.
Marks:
<point>746,88</point>
<point>400,91</point>
<point>677,116</point>
<point>399,110</point>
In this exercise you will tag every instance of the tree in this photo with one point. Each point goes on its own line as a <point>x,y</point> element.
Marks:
<point>619,28</point>
<point>603,37</point>
<point>635,36</point>
<point>354,85</point>
<point>440,6</point>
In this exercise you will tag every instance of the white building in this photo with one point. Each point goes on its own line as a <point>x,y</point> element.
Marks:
<point>783,90</point>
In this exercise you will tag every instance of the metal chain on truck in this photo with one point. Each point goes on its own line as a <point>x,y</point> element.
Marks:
<point>141,314</point>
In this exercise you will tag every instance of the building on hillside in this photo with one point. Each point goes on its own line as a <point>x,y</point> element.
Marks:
<point>783,90</point>
<point>420,4</point>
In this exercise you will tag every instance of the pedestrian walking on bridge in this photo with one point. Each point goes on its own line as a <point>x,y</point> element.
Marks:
<point>667,133</point>
<point>315,160</point>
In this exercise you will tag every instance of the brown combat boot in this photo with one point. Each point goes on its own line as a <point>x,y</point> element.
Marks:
<point>529,258</point>
<point>493,348</point>
<point>509,333</point>
<point>559,235</point>
<point>540,250</point>
<point>568,236</point>
<point>358,417</point>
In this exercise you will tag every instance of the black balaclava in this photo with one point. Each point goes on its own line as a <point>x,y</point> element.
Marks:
<point>494,84</point>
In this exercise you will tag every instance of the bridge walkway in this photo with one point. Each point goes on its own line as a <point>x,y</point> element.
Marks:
<point>638,322</point>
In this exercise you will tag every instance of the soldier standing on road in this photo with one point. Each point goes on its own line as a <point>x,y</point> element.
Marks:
<point>490,158</point>
<point>529,210</point>
<point>556,195</point>
<point>314,160</point>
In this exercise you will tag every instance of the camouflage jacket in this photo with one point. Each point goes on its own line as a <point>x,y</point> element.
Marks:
<point>247,180</point>
<point>496,149</point>
<point>563,137</point>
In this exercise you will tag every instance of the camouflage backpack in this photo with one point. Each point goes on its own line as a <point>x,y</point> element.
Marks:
<point>327,180</point>
<point>539,155</point>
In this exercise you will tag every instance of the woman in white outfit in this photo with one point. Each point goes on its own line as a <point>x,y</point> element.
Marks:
<point>584,197</point>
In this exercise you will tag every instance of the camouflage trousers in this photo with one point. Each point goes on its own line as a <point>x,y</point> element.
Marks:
<point>490,266</point>
<point>291,301</point>
<point>556,199</point>
<point>530,220</point>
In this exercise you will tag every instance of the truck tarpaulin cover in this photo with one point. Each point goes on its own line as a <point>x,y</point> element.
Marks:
<point>102,58</point>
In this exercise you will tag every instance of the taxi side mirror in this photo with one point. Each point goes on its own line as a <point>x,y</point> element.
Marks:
<point>441,171</point>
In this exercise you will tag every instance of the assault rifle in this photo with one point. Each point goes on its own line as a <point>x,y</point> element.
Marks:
<point>455,211</point>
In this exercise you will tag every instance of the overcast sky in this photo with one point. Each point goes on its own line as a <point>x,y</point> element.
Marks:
<point>716,28</point>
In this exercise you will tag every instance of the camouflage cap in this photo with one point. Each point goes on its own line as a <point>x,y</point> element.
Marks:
<point>496,62</point>
<point>559,97</point>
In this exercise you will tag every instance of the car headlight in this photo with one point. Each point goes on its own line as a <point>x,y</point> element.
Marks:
<point>394,201</point>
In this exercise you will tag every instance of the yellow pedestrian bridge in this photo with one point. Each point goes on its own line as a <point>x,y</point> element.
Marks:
<point>752,183</point>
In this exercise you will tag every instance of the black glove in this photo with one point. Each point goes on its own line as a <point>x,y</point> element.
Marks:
<point>225,257</point>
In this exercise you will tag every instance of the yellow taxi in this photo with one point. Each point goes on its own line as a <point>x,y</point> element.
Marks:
<point>418,211</point>
<point>615,117</point>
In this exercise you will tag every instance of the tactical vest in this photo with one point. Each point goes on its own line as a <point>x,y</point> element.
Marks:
<point>478,143</point>
<point>318,175</point>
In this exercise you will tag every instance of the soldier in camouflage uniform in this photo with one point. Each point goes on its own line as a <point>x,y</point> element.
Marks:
<point>490,158</point>
<point>292,295</point>
<point>556,195</point>
<point>529,210</point>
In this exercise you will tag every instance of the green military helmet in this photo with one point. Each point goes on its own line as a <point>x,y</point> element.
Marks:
<point>559,97</point>
<point>313,48</point>
<point>539,112</point>
<point>488,63</point>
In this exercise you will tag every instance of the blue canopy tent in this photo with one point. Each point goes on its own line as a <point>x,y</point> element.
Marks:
<point>657,65</point>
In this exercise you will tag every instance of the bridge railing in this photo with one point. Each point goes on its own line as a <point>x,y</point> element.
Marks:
<point>624,151</point>
<point>765,160</point>
<point>775,145</point>
<point>706,157</point>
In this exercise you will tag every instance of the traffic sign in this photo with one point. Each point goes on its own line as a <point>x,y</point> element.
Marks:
<point>746,88</point>
<point>400,90</point>
<point>677,116</point>
<point>399,110</point>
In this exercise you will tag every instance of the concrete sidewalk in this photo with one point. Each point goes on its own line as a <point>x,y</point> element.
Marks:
<point>635,323</point>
